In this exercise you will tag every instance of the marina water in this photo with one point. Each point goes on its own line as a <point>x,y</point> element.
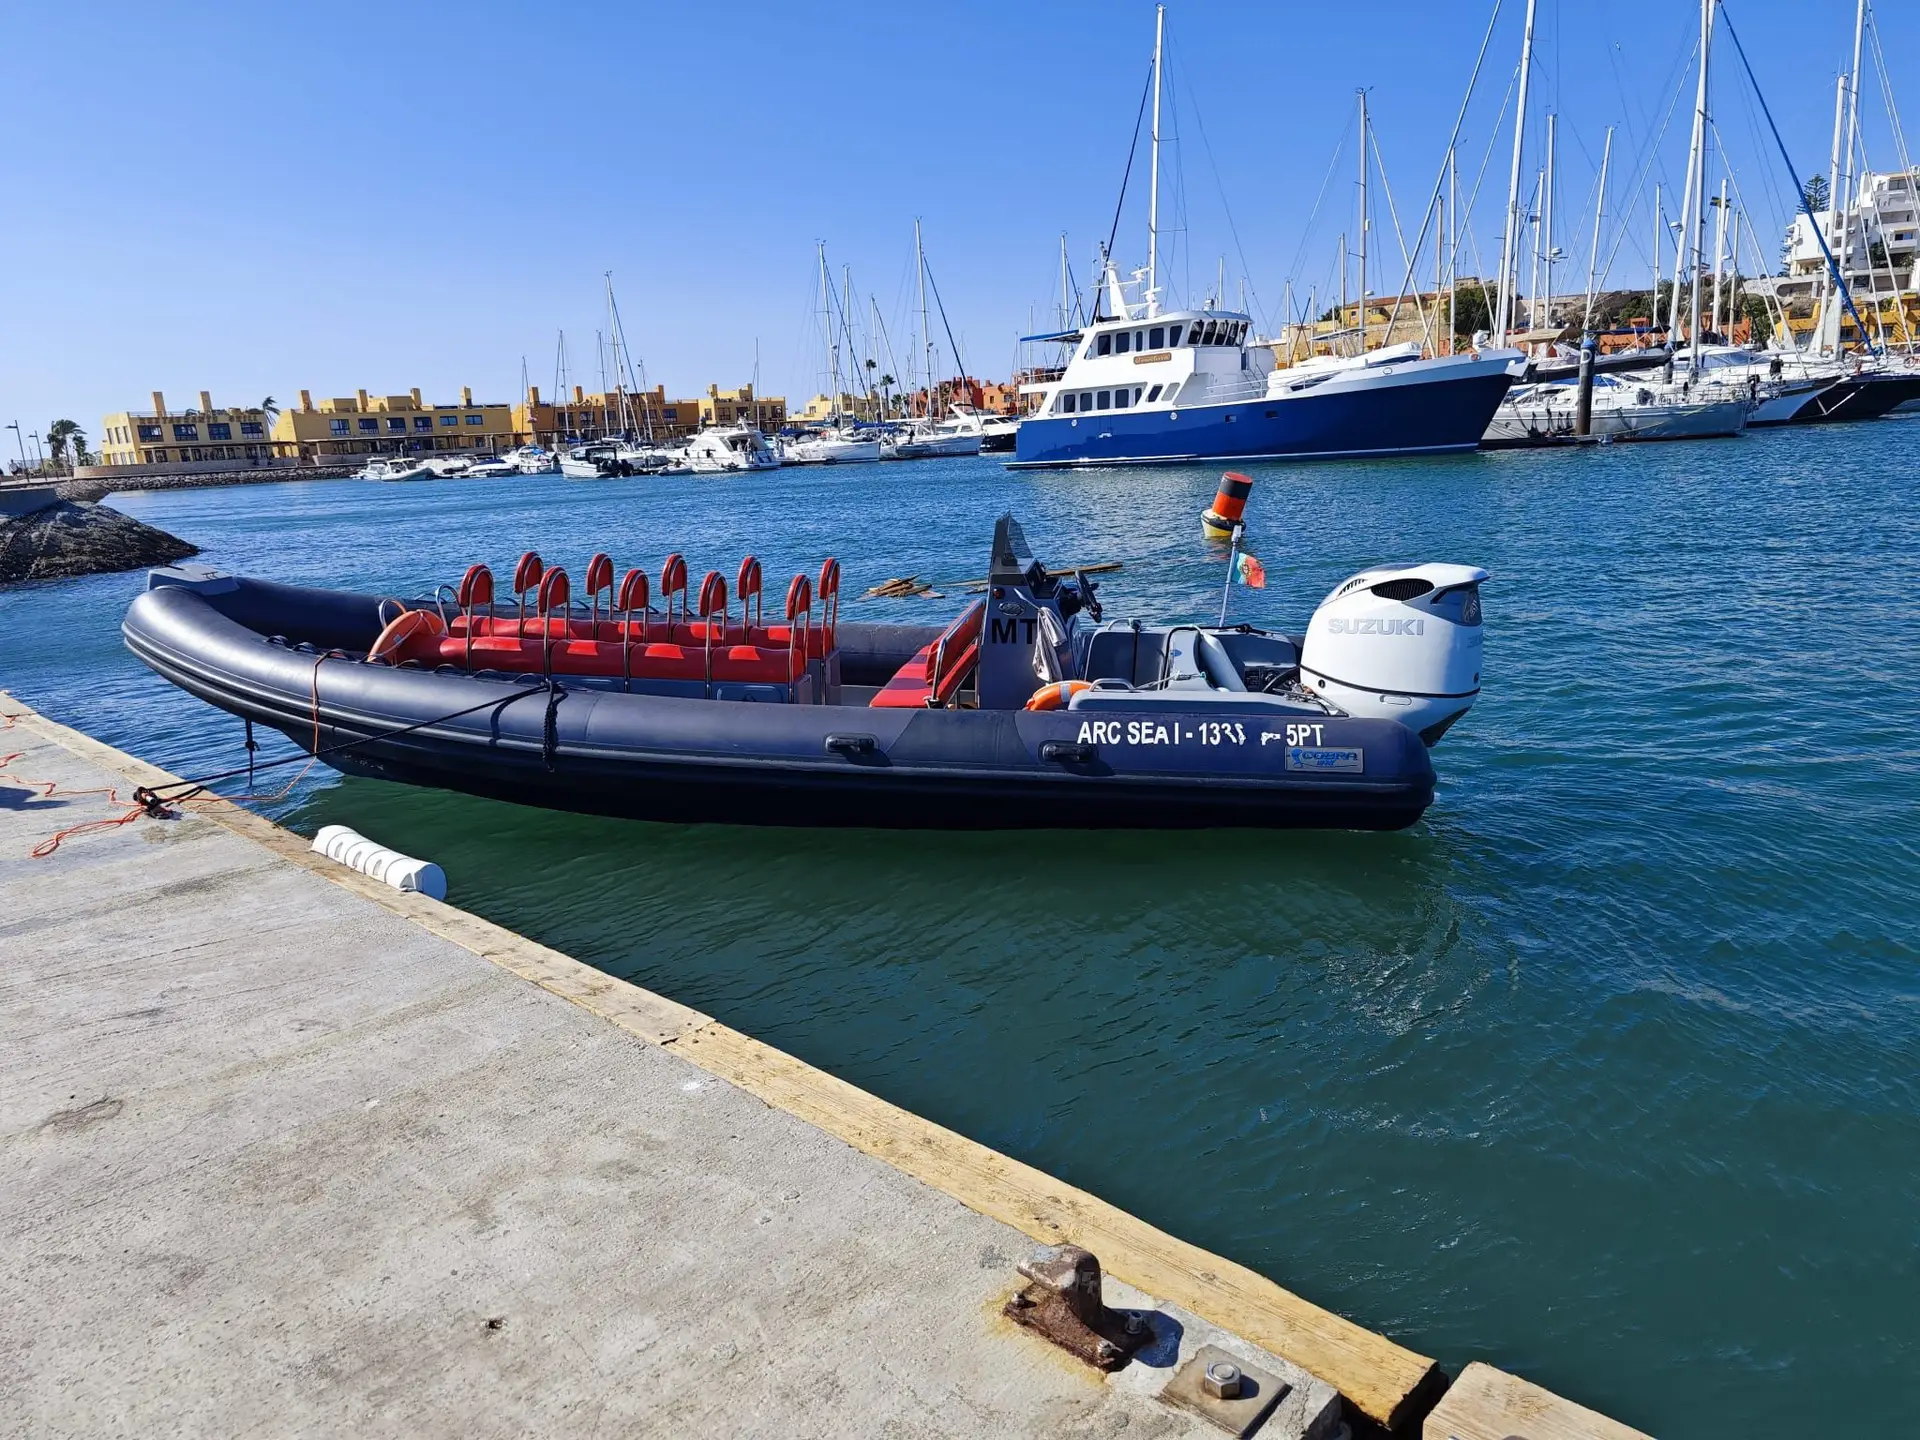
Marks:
<point>1605,1072</point>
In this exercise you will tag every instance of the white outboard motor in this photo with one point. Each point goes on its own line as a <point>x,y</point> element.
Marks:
<point>1399,642</point>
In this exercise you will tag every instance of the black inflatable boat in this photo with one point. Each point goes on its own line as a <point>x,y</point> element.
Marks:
<point>1028,710</point>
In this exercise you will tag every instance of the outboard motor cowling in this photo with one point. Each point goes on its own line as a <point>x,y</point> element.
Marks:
<point>1399,642</point>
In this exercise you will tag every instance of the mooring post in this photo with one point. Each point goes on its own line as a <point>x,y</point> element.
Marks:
<point>1583,417</point>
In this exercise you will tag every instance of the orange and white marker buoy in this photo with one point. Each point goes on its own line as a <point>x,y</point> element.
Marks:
<point>1229,505</point>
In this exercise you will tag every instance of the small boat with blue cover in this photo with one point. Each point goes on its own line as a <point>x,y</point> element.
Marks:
<point>658,700</point>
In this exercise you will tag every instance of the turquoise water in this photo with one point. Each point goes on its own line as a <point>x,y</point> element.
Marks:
<point>1604,1073</point>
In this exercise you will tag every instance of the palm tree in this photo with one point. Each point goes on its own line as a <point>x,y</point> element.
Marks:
<point>59,434</point>
<point>271,409</point>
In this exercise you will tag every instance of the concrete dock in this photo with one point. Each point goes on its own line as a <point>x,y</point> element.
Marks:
<point>285,1151</point>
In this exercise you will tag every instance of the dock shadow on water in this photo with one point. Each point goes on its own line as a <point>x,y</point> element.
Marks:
<point>1604,1072</point>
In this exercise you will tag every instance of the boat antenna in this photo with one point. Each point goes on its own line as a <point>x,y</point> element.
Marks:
<point>1153,184</point>
<point>1833,269</point>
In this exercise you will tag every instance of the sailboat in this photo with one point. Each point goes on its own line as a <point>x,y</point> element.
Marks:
<point>1151,385</point>
<point>1704,403</point>
<point>939,433</point>
<point>836,442</point>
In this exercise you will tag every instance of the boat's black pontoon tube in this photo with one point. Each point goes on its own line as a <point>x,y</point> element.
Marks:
<point>1168,726</point>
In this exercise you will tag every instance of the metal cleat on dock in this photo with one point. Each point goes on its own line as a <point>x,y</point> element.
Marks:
<point>1064,1304</point>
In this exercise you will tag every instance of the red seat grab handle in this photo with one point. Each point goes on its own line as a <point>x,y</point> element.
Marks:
<point>527,573</point>
<point>828,591</point>
<point>799,597</point>
<point>673,581</point>
<point>633,592</point>
<point>599,574</point>
<point>748,586</point>
<point>713,595</point>
<point>476,588</point>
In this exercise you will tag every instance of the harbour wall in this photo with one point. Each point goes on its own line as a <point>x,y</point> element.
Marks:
<point>314,1103</point>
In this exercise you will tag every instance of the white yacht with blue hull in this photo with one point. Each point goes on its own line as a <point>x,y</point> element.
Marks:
<point>1167,388</point>
<point>1147,384</point>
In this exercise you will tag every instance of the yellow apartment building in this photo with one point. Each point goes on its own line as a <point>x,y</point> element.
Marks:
<point>741,407</point>
<point>825,407</point>
<point>570,420</point>
<point>204,437</point>
<point>364,424</point>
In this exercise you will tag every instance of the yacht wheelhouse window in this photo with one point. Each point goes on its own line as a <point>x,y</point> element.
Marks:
<point>1153,394</point>
<point>1173,335</point>
<point>1139,339</point>
<point>1136,394</point>
<point>1121,341</point>
<point>1105,344</point>
<point>1156,337</point>
<point>1119,399</point>
<point>1103,400</point>
<point>1064,405</point>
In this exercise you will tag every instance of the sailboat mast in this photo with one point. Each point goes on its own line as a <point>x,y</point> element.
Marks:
<point>832,356</point>
<point>1546,210</point>
<point>926,335</point>
<point>1066,286</point>
<point>1342,315</point>
<point>1439,260</point>
<point>1453,246</point>
<point>1153,183</point>
<point>1533,273</point>
<point>1719,254</point>
<point>1697,226</point>
<point>1363,221</point>
<point>1510,240</point>
<point>1843,194</point>
<point>1599,219</point>
<point>1659,239</point>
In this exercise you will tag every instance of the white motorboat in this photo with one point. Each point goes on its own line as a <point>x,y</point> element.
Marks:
<point>396,468</point>
<point>1547,414</point>
<point>592,462</point>
<point>646,458</point>
<point>532,460</point>
<point>727,448</point>
<point>831,447</point>
<point>937,439</point>
<point>448,467</point>
<point>492,467</point>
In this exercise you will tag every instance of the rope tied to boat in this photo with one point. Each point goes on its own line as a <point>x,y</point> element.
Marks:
<point>550,728</point>
<point>154,797</point>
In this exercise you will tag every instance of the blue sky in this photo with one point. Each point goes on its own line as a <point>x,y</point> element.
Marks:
<point>254,199</point>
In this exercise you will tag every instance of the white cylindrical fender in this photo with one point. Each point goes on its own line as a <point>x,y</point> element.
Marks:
<point>403,872</point>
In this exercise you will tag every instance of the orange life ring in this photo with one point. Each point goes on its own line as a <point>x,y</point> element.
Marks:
<point>1056,695</point>
<point>402,631</point>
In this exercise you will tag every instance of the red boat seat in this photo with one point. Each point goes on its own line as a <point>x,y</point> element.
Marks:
<point>660,660</point>
<point>937,672</point>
